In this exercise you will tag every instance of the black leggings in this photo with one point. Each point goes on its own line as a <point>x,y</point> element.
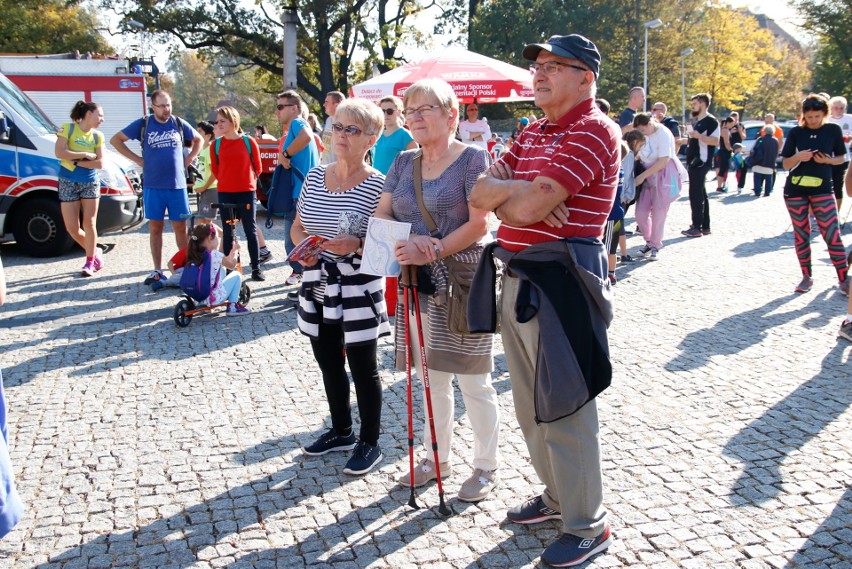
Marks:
<point>838,173</point>
<point>247,215</point>
<point>329,352</point>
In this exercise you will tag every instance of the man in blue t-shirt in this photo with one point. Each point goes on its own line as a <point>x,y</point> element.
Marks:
<point>297,150</point>
<point>163,171</point>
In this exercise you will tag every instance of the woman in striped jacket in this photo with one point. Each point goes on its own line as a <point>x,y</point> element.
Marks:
<point>342,311</point>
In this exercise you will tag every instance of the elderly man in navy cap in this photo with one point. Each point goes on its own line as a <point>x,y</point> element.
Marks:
<point>553,191</point>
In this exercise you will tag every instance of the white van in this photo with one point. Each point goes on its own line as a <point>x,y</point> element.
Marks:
<point>29,206</point>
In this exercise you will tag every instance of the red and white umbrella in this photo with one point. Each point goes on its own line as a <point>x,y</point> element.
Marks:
<point>473,76</point>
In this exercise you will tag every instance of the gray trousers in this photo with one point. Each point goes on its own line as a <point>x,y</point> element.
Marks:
<point>565,453</point>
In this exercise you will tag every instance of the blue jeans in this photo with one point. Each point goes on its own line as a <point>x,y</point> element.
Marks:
<point>763,181</point>
<point>289,218</point>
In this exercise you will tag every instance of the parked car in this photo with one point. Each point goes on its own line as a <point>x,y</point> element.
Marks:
<point>753,132</point>
<point>29,205</point>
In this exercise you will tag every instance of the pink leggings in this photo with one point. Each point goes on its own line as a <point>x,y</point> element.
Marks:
<point>825,211</point>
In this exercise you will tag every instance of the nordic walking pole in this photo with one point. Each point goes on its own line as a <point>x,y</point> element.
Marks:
<point>442,506</point>
<point>406,284</point>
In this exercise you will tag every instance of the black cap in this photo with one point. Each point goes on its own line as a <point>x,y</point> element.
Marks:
<point>573,46</point>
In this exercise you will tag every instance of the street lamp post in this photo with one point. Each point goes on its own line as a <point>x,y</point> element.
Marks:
<point>655,23</point>
<point>683,54</point>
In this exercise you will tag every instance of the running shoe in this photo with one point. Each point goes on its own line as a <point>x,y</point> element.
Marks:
<point>99,260</point>
<point>612,278</point>
<point>844,286</point>
<point>570,550</point>
<point>692,232</point>
<point>644,251</point>
<point>706,232</point>
<point>805,285</point>
<point>652,256</point>
<point>294,279</point>
<point>626,259</point>
<point>264,256</point>
<point>532,511</point>
<point>362,461</point>
<point>845,331</point>
<point>257,275</point>
<point>237,309</point>
<point>88,269</point>
<point>330,442</point>
<point>154,275</point>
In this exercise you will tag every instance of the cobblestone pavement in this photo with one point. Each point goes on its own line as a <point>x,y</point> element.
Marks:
<point>726,433</point>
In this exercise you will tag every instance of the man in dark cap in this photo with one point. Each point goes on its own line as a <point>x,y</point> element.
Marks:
<point>553,192</point>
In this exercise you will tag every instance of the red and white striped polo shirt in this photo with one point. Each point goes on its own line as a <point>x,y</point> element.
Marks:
<point>581,152</point>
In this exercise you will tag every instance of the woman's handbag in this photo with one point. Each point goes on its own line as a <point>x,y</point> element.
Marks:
<point>459,278</point>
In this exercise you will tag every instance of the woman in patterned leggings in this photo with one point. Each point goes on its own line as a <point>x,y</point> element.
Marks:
<point>810,151</point>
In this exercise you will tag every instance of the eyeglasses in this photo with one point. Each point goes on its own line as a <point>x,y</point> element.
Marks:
<point>350,130</point>
<point>282,107</point>
<point>422,111</point>
<point>389,112</point>
<point>474,109</point>
<point>657,110</point>
<point>163,106</point>
<point>551,67</point>
<point>814,105</point>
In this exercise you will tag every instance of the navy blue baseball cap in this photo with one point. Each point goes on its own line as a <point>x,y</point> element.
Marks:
<point>573,46</point>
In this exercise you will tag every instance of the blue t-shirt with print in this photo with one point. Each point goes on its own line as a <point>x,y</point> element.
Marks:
<point>306,158</point>
<point>162,151</point>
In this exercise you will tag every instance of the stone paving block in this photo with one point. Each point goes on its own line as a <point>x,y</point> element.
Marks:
<point>725,435</point>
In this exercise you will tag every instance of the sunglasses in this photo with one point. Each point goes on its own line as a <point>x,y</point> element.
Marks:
<point>389,112</point>
<point>350,130</point>
<point>282,107</point>
<point>814,105</point>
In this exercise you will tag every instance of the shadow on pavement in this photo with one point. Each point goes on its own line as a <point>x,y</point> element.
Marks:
<point>751,327</point>
<point>832,539</point>
<point>765,443</point>
<point>252,511</point>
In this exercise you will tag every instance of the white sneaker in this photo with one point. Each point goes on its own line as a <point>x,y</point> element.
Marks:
<point>294,279</point>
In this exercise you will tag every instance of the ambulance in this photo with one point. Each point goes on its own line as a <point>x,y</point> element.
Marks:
<point>29,205</point>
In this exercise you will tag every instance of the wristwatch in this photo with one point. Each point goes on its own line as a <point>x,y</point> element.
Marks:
<point>286,155</point>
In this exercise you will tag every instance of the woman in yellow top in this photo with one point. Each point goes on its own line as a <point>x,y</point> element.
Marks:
<point>80,148</point>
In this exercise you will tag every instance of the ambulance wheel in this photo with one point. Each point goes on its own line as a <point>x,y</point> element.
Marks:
<point>39,229</point>
<point>183,319</point>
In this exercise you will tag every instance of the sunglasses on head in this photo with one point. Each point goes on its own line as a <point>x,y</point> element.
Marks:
<point>815,105</point>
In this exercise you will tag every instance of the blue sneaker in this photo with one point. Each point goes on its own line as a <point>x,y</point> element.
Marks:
<point>570,550</point>
<point>362,461</point>
<point>329,442</point>
<point>532,511</point>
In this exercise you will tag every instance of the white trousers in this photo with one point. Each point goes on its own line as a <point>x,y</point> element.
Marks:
<point>480,400</point>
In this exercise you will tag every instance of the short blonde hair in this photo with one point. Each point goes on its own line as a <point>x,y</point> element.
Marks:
<point>231,114</point>
<point>439,90</point>
<point>363,113</point>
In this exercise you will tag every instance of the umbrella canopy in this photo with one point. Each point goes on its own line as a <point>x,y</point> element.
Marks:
<point>473,76</point>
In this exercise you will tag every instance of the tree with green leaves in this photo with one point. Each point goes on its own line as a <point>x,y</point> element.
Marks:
<point>831,22</point>
<point>328,34</point>
<point>49,26</point>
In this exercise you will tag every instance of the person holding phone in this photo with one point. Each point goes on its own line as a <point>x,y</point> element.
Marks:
<point>810,152</point>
